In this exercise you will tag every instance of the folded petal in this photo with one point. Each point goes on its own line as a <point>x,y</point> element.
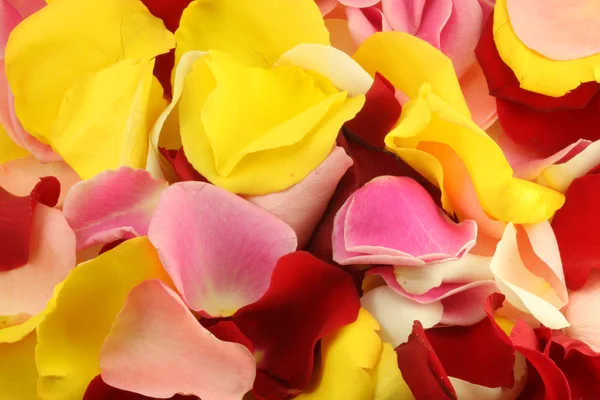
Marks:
<point>302,205</point>
<point>144,354</point>
<point>307,300</point>
<point>71,335</point>
<point>111,206</point>
<point>231,246</point>
<point>256,33</point>
<point>18,374</point>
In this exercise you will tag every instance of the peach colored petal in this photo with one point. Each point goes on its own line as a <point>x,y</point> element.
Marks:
<point>481,104</point>
<point>157,348</point>
<point>557,29</point>
<point>111,206</point>
<point>27,289</point>
<point>582,312</point>
<point>19,176</point>
<point>302,205</point>
<point>340,36</point>
<point>326,6</point>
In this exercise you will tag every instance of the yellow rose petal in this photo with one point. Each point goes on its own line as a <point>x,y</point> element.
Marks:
<point>387,378</point>
<point>71,335</point>
<point>429,119</point>
<point>18,374</point>
<point>534,71</point>
<point>255,32</point>
<point>51,49</point>
<point>347,355</point>
<point>9,150</point>
<point>103,122</point>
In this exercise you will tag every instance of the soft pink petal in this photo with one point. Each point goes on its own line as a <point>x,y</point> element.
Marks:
<point>157,348</point>
<point>326,6</point>
<point>27,289</point>
<point>19,176</point>
<point>481,104</point>
<point>111,206</point>
<point>582,312</point>
<point>406,15</point>
<point>219,249</point>
<point>302,205</point>
<point>557,29</point>
<point>27,7</point>
<point>397,221</point>
<point>359,3</point>
<point>363,22</point>
<point>340,36</point>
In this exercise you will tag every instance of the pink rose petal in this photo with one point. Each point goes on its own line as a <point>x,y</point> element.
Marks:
<point>157,348</point>
<point>219,249</point>
<point>363,22</point>
<point>393,220</point>
<point>302,205</point>
<point>52,256</point>
<point>582,312</point>
<point>481,104</point>
<point>111,206</point>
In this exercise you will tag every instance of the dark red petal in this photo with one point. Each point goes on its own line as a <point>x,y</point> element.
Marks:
<point>491,354</point>
<point>577,229</point>
<point>422,370</point>
<point>229,332</point>
<point>269,388</point>
<point>163,68</point>
<point>111,245</point>
<point>98,390</point>
<point>545,381</point>
<point>182,167</point>
<point>307,300</point>
<point>16,218</point>
<point>503,83</point>
<point>378,115</point>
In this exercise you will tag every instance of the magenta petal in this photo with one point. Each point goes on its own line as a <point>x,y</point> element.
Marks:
<point>157,348</point>
<point>111,206</point>
<point>393,220</point>
<point>302,205</point>
<point>219,249</point>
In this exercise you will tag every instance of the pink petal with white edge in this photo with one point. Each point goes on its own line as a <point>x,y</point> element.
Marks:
<point>393,220</point>
<point>219,249</point>
<point>27,289</point>
<point>396,314</point>
<point>111,206</point>
<point>481,104</point>
<point>582,312</point>
<point>557,29</point>
<point>19,176</point>
<point>463,302</point>
<point>302,205</point>
<point>157,348</point>
<point>524,290</point>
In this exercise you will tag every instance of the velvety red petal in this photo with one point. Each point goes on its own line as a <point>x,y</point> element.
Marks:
<point>307,299</point>
<point>378,115</point>
<point>545,381</point>
<point>16,215</point>
<point>422,369</point>
<point>491,353</point>
<point>98,390</point>
<point>577,229</point>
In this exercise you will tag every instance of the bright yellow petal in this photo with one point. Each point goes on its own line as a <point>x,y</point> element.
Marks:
<point>103,122</point>
<point>8,149</point>
<point>255,32</point>
<point>18,374</point>
<point>346,357</point>
<point>408,62</point>
<point>429,119</point>
<point>387,378</point>
<point>54,47</point>
<point>534,71</point>
<point>70,337</point>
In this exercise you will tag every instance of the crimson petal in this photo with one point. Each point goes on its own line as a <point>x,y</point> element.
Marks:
<point>182,167</point>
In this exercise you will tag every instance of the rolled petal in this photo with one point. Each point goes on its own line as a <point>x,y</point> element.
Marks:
<point>111,206</point>
<point>396,313</point>
<point>71,335</point>
<point>144,354</point>
<point>307,300</point>
<point>302,205</point>
<point>231,248</point>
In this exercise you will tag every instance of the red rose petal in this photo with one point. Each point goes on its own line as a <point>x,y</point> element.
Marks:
<point>307,300</point>
<point>98,390</point>
<point>545,381</point>
<point>577,229</point>
<point>421,369</point>
<point>378,115</point>
<point>229,332</point>
<point>182,167</point>
<point>16,216</point>
<point>491,354</point>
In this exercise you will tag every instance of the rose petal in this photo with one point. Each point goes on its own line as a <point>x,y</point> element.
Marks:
<point>99,390</point>
<point>18,373</point>
<point>340,36</point>
<point>364,22</point>
<point>475,90</point>
<point>231,246</point>
<point>144,354</point>
<point>307,300</point>
<point>111,206</point>
<point>302,205</point>
<point>585,322</point>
